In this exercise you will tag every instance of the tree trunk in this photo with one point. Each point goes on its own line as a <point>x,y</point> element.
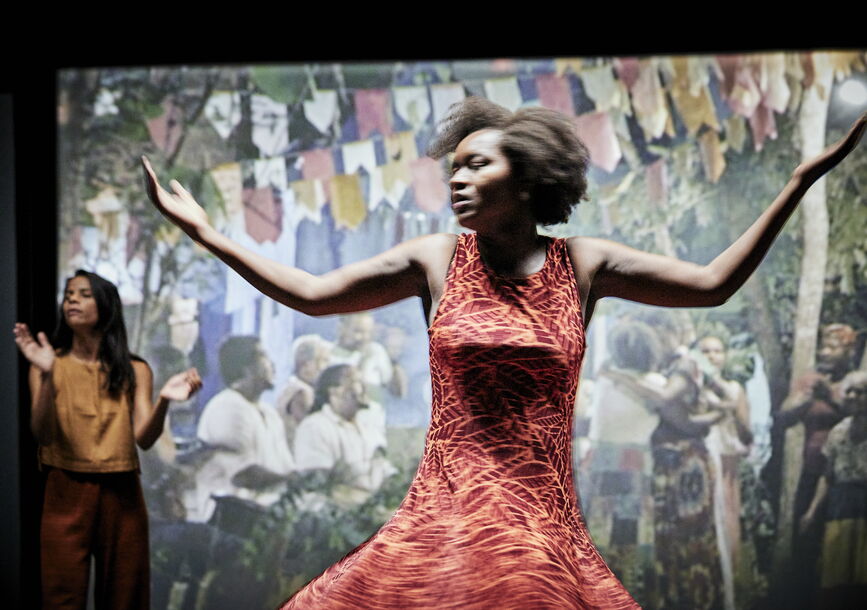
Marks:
<point>814,225</point>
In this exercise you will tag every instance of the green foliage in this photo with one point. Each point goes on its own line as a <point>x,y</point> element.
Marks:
<point>284,84</point>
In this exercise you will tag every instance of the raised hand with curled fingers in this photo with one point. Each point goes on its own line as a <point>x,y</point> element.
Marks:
<point>182,386</point>
<point>38,351</point>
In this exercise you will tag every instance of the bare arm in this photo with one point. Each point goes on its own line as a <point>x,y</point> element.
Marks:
<point>616,270</point>
<point>666,401</point>
<point>149,419</point>
<point>818,499</point>
<point>388,277</point>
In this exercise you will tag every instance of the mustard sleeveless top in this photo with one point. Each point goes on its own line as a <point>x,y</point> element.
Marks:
<point>93,431</point>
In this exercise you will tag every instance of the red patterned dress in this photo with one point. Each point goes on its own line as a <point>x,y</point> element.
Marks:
<point>491,519</point>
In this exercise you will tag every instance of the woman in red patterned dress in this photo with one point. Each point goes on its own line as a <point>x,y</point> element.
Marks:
<point>491,519</point>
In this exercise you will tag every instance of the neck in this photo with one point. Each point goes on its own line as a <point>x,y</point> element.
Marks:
<point>248,389</point>
<point>85,345</point>
<point>514,250</point>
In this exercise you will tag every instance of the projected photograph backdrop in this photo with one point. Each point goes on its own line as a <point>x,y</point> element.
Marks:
<point>319,165</point>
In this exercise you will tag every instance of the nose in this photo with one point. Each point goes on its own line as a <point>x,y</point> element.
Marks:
<point>458,179</point>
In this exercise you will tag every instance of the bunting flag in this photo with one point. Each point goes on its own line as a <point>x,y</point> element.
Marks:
<point>270,125</point>
<point>712,158</point>
<point>656,179</point>
<point>607,92</point>
<point>322,110</point>
<point>736,132</point>
<point>555,93</point>
<point>223,111</point>
<point>396,179</point>
<point>744,96</point>
<point>166,129</point>
<point>347,202</point>
<point>505,92</point>
<point>362,155</point>
<point>309,195</point>
<point>373,112</point>
<point>628,70</point>
<point>227,178</point>
<point>431,193</point>
<point>412,105</point>
<point>775,88</point>
<point>763,125</point>
<point>563,65</point>
<point>401,147</point>
<point>443,96</point>
<point>263,214</point>
<point>648,101</point>
<point>691,96</point>
<point>270,172</point>
<point>597,132</point>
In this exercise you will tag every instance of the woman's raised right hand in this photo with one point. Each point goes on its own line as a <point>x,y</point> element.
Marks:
<point>178,206</point>
<point>40,353</point>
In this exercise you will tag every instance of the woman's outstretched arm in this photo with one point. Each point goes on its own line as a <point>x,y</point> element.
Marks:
<point>611,269</point>
<point>388,277</point>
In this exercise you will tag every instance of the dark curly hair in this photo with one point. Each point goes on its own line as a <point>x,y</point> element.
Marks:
<point>547,158</point>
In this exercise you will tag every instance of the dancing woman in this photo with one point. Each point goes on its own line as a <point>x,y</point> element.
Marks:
<point>91,405</point>
<point>491,519</point>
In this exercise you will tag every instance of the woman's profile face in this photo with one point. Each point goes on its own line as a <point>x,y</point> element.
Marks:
<point>483,190</point>
<point>79,306</point>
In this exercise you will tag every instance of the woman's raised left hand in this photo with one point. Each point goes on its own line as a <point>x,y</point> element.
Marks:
<point>182,386</point>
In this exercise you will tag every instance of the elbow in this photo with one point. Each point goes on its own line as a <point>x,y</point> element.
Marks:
<point>717,288</point>
<point>144,443</point>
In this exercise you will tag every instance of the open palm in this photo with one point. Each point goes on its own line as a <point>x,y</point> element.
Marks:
<point>40,353</point>
<point>178,206</point>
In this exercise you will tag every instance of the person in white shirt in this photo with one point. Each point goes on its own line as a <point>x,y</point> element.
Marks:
<point>344,437</point>
<point>356,346</point>
<point>311,353</point>
<point>251,458</point>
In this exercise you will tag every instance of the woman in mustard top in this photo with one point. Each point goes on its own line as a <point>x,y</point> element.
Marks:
<point>91,405</point>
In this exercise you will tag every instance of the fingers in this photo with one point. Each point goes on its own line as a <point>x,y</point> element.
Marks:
<point>43,339</point>
<point>194,380</point>
<point>179,190</point>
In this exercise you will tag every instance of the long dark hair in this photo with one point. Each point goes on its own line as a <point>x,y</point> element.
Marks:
<point>114,351</point>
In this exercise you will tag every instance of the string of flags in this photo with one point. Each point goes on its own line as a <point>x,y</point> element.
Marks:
<point>377,136</point>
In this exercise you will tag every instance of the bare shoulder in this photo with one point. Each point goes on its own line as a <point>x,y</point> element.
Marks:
<point>141,369</point>
<point>432,247</point>
<point>588,254</point>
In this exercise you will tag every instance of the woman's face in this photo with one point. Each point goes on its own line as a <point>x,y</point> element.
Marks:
<point>79,306</point>
<point>855,394</point>
<point>714,351</point>
<point>483,191</point>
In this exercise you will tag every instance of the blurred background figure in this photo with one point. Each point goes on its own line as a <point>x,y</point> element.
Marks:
<point>688,568</point>
<point>251,459</point>
<point>728,443</point>
<point>341,440</point>
<point>310,354</point>
<point>840,502</point>
<point>617,496</point>
<point>356,346</point>
<point>816,402</point>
